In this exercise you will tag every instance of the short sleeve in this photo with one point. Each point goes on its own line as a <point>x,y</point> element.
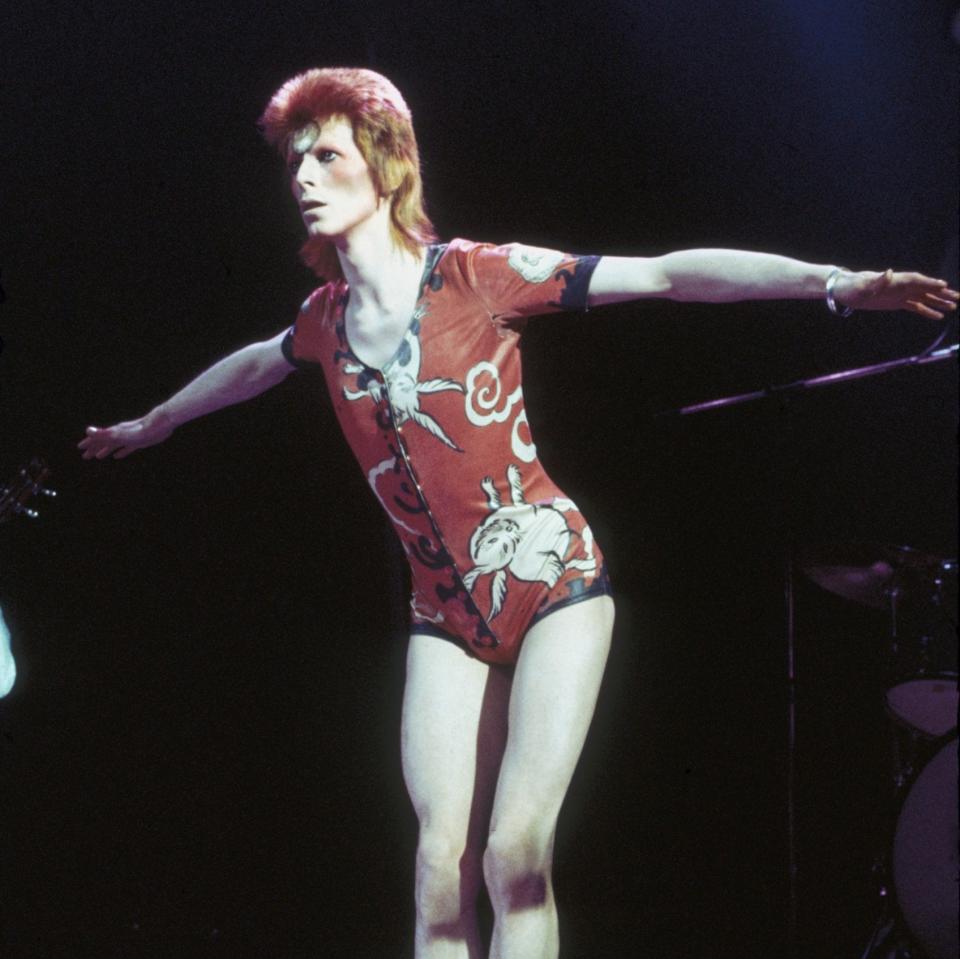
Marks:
<point>298,345</point>
<point>515,280</point>
<point>286,347</point>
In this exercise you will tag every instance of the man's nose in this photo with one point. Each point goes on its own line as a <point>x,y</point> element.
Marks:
<point>307,170</point>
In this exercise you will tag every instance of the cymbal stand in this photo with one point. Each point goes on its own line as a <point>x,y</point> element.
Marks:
<point>792,869</point>
<point>887,940</point>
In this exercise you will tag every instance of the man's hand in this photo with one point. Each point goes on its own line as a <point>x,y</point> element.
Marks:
<point>121,440</point>
<point>896,291</point>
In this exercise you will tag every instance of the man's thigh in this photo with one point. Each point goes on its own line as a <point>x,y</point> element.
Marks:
<point>555,688</point>
<point>452,733</point>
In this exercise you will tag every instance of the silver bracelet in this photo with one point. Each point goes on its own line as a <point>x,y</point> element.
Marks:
<point>831,302</point>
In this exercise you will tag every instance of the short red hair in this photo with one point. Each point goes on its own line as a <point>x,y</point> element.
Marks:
<point>383,132</point>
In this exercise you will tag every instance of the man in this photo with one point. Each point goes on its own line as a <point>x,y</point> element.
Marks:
<point>511,612</point>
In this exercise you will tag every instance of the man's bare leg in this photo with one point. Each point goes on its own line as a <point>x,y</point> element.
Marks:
<point>453,732</point>
<point>8,666</point>
<point>554,694</point>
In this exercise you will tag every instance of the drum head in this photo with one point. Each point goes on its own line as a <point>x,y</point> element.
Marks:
<point>928,705</point>
<point>925,856</point>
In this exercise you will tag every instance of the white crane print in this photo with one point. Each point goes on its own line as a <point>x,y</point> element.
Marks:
<point>403,387</point>
<point>528,541</point>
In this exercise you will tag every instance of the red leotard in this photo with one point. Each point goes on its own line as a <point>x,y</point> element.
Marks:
<point>441,434</point>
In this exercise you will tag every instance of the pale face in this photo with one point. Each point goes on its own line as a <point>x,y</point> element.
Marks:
<point>330,180</point>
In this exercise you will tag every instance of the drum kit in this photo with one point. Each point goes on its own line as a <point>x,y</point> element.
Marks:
<point>917,868</point>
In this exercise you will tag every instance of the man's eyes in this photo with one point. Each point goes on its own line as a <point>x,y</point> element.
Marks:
<point>324,156</point>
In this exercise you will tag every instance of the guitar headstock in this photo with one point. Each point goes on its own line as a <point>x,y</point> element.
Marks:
<point>26,483</point>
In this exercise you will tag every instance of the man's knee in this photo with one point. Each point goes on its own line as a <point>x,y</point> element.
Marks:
<point>517,866</point>
<point>448,879</point>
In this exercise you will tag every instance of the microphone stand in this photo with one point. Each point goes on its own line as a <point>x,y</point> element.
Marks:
<point>798,386</point>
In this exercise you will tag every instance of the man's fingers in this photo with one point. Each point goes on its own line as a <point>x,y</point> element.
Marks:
<point>88,439</point>
<point>923,310</point>
<point>948,294</point>
<point>940,301</point>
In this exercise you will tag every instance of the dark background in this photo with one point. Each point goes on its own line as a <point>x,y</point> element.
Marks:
<point>200,755</point>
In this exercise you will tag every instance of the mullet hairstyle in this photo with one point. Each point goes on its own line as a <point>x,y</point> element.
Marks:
<point>382,131</point>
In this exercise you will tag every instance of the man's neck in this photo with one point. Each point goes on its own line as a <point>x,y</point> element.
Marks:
<point>381,274</point>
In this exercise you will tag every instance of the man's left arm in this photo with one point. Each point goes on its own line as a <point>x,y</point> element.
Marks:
<point>725,276</point>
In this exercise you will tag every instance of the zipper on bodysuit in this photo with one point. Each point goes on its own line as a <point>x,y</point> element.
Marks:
<point>397,431</point>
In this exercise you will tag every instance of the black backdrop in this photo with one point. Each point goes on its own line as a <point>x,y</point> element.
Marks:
<point>201,750</point>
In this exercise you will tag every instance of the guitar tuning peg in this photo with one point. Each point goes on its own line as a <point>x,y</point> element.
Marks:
<point>47,492</point>
<point>25,511</point>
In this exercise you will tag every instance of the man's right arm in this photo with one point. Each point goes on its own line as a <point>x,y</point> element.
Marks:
<point>238,377</point>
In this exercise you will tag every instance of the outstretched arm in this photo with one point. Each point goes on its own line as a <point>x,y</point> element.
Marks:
<point>723,276</point>
<point>239,376</point>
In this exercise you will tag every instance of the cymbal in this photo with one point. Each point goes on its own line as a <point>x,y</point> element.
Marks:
<point>867,572</point>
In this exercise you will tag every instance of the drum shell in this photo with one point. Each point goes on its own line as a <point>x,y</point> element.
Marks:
<point>925,868</point>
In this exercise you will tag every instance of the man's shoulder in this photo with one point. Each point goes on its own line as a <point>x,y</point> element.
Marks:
<point>324,297</point>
